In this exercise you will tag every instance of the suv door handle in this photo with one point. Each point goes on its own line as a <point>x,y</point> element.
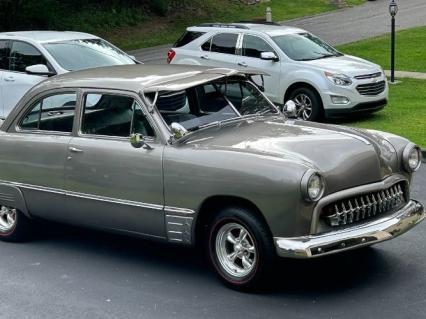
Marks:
<point>9,79</point>
<point>75,150</point>
<point>242,64</point>
<point>205,57</point>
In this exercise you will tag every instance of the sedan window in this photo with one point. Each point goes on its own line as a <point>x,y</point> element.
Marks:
<point>23,55</point>
<point>114,115</point>
<point>53,113</point>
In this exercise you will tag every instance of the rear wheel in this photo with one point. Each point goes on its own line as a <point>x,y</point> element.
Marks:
<point>240,247</point>
<point>14,225</point>
<point>308,104</point>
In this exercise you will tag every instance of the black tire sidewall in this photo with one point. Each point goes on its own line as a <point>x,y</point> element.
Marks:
<point>317,108</point>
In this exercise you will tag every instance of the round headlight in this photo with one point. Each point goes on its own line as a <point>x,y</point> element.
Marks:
<point>312,186</point>
<point>411,157</point>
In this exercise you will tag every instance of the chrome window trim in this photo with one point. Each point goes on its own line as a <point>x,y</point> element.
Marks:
<point>352,192</point>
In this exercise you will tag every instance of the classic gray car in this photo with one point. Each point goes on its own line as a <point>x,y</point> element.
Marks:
<point>191,155</point>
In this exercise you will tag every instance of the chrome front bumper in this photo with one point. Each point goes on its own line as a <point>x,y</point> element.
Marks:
<point>352,237</point>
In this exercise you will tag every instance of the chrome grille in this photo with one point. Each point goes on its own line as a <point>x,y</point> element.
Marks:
<point>365,206</point>
<point>368,76</point>
<point>371,88</point>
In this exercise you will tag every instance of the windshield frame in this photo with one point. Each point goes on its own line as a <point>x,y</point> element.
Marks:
<point>54,56</point>
<point>307,35</point>
<point>238,117</point>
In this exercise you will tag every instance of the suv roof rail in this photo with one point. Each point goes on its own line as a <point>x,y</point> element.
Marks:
<point>223,25</point>
<point>260,22</point>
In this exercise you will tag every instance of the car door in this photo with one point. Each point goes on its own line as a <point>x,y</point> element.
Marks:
<point>111,184</point>
<point>34,152</point>
<point>220,50</point>
<point>16,82</point>
<point>251,48</point>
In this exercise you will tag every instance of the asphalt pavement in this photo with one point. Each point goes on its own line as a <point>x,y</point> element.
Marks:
<point>74,273</point>
<point>336,27</point>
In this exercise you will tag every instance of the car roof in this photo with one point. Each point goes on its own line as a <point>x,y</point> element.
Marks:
<point>147,78</point>
<point>271,29</point>
<point>46,36</point>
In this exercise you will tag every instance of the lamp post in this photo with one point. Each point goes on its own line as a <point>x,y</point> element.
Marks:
<point>393,9</point>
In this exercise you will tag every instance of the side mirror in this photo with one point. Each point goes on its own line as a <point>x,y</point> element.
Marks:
<point>290,109</point>
<point>39,69</point>
<point>138,141</point>
<point>269,56</point>
<point>178,130</point>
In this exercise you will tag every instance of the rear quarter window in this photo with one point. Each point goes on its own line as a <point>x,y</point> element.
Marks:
<point>187,37</point>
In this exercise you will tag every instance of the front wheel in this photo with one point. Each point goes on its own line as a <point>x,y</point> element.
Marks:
<point>308,104</point>
<point>240,248</point>
<point>14,225</point>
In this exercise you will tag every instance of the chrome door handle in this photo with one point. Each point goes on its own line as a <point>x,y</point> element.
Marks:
<point>205,57</point>
<point>9,79</point>
<point>242,64</point>
<point>75,150</point>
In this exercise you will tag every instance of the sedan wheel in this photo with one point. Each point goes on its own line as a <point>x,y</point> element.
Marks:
<point>7,219</point>
<point>14,225</point>
<point>240,247</point>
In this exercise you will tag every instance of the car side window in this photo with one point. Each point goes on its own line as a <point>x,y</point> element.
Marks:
<point>23,55</point>
<point>224,43</point>
<point>206,45</point>
<point>4,54</point>
<point>114,115</point>
<point>53,113</point>
<point>253,46</point>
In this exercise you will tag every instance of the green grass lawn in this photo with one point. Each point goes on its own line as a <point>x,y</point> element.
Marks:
<point>156,30</point>
<point>410,50</point>
<point>405,114</point>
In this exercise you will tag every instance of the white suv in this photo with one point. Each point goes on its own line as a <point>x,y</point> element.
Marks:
<point>27,58</point>
<point>318,78</point>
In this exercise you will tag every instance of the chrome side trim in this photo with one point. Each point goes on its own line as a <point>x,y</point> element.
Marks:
<point>179,229</point>
<point>352,237</point>
<point>356,191</point>
<point>185,211</point>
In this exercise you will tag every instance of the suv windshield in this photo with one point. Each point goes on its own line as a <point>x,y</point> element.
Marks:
<point>304,47</point>
<point>76,55</point>
<point>212,103</point>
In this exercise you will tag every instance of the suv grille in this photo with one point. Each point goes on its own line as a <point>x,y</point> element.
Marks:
<point>364,207</point>
<point>368,76</point>
<point>371,88</point>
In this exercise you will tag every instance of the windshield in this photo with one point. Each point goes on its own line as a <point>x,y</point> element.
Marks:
<point>76,55</point>
<point>212,103</point>
<point>304,47</point>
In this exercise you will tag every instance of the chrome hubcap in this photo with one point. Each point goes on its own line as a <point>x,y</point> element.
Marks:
<point>7,218</point>
<point>235,250</point>
<point>303,106</point>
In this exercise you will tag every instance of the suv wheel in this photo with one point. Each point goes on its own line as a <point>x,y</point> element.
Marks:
<point>240,248</point>
<point>308,104</point>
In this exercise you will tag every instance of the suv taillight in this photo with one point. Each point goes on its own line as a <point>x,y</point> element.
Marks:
<point>170,55</point>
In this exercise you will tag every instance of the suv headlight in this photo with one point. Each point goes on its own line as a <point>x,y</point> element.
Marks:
<point>338,79</point>
<point>312,186</point>
<point>411,158</point>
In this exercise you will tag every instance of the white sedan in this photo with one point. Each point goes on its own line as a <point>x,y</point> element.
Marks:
<point>27,58</point>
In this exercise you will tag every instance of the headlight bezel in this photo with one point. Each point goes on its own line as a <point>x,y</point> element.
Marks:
<point>338,79</point>
<point>305,183</point>
<point>408,151</point>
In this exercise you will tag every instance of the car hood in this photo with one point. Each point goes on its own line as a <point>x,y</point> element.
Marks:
<point>345,64</point>
<point>346,157</point>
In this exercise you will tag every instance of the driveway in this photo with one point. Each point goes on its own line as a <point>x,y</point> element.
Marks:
<point>336,27</point>
<point>71,273</point>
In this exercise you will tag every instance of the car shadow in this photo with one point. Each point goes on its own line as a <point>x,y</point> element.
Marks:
<point>303,278</point>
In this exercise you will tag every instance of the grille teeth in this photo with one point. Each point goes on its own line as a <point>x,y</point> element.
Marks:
<point>371,88</point>
<point>364,206</point>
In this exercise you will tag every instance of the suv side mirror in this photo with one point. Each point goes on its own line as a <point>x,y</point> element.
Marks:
<point>39,69</point>
<point>269,56</point>
<point>290,109</point>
